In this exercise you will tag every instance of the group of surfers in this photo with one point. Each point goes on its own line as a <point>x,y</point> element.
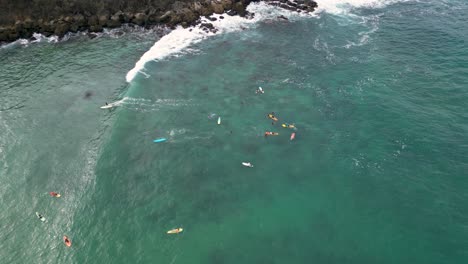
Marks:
<point>66,240</point>
<point>285,125</point>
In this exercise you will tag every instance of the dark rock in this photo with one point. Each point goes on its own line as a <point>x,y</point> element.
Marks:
<point>68,19</point>
<point>282,17</point>
<point>93,21</point>
<point>310,3</point>
<point>92,35</point>
<point>103,20</point>
<point>249,15</point>
<point>153,18</point>
<point>217,8</point>
<point>232,13</point>
<point>212,18</point>
<point>12,35</point>
<point>95,28</point>
<point>206,11</point>
<point>139,19</point>
<point>28,24</point>
<point>291,3</point>
<point>114,21</point>
<point>187,15</point>
<point>197,7</point>
<point>120,16</point>
<point>19,26</point>
<point>221,17</point>
<point>287,7</point>
<point>61,29</point>
<point>166,17</point>
<point>207,26</point>
<point>239,8</point>
<point>178,5</point>
<point>227,4</point>
<point>80,20</point>
<point>74,28</point>
<point>4,33</point>
<point>127,17</point>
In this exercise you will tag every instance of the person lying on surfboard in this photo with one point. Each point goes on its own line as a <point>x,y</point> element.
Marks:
<point>268,133</point>
<point>272,116</point>
<point>286,125</point>
<point>54,194</point>
<point>67,241</point>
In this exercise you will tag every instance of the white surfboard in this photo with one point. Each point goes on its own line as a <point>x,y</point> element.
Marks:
<point>40,217</point>
<point>107,106</point>
<point>247,164</point>
<point>219,120</point>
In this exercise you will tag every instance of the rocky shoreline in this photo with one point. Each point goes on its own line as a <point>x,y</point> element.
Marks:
<point>184,13</point>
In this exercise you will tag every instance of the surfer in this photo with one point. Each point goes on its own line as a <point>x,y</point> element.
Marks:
<point>175,231</point>
<point>286,125</point>
<point>247,164</point>
<point>268,133</point>
<point>54,194</point>
<point>107,103</point>
<point>67,241</point>
<point>42,218</point>
<point>259,90</point>
<point>272,116</point>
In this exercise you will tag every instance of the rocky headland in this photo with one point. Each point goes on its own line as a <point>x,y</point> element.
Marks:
<point>23,18</point>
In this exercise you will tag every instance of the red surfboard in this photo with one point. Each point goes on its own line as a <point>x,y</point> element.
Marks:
<point>54,194</point>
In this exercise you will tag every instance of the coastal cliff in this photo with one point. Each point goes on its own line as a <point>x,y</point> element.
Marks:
<point>22,18</point>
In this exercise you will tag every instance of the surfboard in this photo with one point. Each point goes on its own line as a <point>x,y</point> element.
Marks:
<point>293,136</point>
<point>175,231</point>
<point>219,120</point>
<point>54,194</point>
<point>159,140</point>
<point>288,126</point>
<point>107,106</point>
<point>40,217</point>
<point>247,164</point>
<point>67,241</point>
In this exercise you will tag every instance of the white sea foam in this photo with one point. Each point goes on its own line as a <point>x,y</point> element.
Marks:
<point>180,39</point>
<point>342,7</point>
<point>136,31</point>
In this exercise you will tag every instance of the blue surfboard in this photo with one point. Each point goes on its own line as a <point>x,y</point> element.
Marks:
<point>159,140</point>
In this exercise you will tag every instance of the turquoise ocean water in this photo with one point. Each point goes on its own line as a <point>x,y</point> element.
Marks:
<point>377,172</point>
